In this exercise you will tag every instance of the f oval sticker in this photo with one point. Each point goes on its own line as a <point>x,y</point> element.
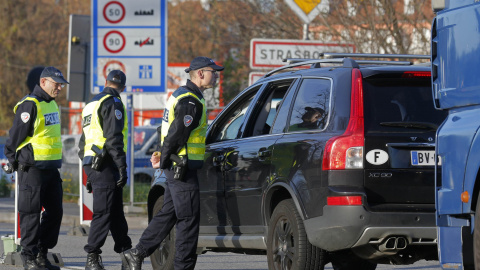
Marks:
<point>377,157</point>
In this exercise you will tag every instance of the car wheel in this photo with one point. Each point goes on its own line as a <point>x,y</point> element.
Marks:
<point>347,260</point>
<point>163,257</point>
<point>287,243</point>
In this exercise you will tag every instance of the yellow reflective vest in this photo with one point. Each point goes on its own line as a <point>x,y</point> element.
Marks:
<point>93,130</point>
<point>46,141</point>
<point>195,147</point>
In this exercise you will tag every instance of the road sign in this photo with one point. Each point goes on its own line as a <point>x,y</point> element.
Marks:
<point>255,76</point>
<point>129,42</point>
<point>130,36</point>
<point>114,12</point>
<point>307,10</point>
<point>113,41</point>
<point>269,53</point>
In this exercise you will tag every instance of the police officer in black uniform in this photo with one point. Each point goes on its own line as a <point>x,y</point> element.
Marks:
<point>34,148</point>
<point>103,147</point>
<point>183,138</point>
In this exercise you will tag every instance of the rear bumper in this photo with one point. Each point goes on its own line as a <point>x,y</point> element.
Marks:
<point>342,227</point>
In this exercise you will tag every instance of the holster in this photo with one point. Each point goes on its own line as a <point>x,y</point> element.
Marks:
<point>180,167</point>
<point>99,157</point>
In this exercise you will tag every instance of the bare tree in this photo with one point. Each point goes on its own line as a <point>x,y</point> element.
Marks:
<point>33,33</point>
<point>378,26</point>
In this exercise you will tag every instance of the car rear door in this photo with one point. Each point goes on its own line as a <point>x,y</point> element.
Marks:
<point>297,156</point>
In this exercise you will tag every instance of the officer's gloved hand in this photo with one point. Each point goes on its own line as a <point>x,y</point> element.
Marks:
<point>10,168</point>
<point>123,177</point>
<point>89,186</point>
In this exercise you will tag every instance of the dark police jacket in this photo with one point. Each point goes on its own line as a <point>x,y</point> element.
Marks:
<point>111,126</point>
<point>21,130</point>
<point>178,133</point>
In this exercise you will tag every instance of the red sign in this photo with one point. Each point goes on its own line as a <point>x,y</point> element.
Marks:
<point>113,65</point>
<point>114,41</point>
<point>114,12</point>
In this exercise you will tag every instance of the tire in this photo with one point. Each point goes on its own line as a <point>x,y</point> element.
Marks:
<point>287,244</point>
<point>348,261</point>
<point>163,257</point>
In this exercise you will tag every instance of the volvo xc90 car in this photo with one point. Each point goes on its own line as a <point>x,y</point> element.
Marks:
<point>332,163</point>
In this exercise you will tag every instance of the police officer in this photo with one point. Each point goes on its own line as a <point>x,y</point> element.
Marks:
<point>103,148</point>
<point>34,148</point>
<point>183,135</point>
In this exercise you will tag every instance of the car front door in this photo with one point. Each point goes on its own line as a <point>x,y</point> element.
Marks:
<point>221,135</point>
<point>247,163</point>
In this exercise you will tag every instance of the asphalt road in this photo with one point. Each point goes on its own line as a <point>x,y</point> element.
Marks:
<point>71,250</point>
<point>71,247</point>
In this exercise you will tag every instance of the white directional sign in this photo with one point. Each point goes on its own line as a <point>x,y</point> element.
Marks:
<point>269,53</point>
<point>131,36</point>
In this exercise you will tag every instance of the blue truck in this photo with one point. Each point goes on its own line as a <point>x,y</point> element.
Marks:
<point>456,88</point>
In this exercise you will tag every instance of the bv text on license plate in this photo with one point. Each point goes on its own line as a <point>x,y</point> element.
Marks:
<point>424,158</point>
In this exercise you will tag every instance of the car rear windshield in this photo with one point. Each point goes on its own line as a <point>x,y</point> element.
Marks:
<point>400,105</point>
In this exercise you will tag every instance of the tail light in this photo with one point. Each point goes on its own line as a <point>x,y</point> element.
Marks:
<point>417,74</point>
<point>346,151</point>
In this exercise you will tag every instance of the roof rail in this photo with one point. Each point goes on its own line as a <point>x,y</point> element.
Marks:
<point>337,58</point>
<point>347,62</point>
<point>303,63</point>
<point>373,55</point>
<point>365,62</point>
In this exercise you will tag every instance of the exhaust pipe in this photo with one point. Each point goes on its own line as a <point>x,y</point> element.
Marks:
<point>401,243</point>
<point>388,245</point>
<point>393,244</point>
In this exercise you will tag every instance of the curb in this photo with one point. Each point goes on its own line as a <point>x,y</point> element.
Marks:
<point>134,222</point>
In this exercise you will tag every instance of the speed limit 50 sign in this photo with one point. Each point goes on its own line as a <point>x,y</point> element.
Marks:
<point>132,35</point>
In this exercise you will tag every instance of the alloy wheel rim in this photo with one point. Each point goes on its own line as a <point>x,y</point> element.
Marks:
<point>283,245</point>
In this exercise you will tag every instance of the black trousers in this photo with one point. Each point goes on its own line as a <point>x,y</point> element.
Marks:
<point>37,189</point>
<point>108,212</point>
<point>181,206</point>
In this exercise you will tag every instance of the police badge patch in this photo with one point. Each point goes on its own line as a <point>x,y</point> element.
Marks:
<point>187,120</point>
<point>118,114</point>
<point>25,117</point>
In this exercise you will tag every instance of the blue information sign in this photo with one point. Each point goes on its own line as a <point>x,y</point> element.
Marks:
<point>130,36</point>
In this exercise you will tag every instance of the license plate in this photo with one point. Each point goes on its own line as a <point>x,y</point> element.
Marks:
<point>424,158</point>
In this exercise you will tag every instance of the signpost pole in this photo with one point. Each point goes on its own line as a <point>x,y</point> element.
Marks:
<point>305,31</point>
<point>131,143</point>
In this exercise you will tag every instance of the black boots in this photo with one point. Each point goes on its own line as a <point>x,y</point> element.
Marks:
<point>132,259</point>
<point>31,264</point>
<point>44,262</point>
<point>94,262</point>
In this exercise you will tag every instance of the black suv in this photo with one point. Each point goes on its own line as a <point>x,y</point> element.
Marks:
<point>332,163</point>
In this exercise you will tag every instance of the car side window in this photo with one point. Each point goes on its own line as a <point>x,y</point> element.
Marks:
<point>231,123</point>
<point>311,107</point>
<point>265,112</point>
